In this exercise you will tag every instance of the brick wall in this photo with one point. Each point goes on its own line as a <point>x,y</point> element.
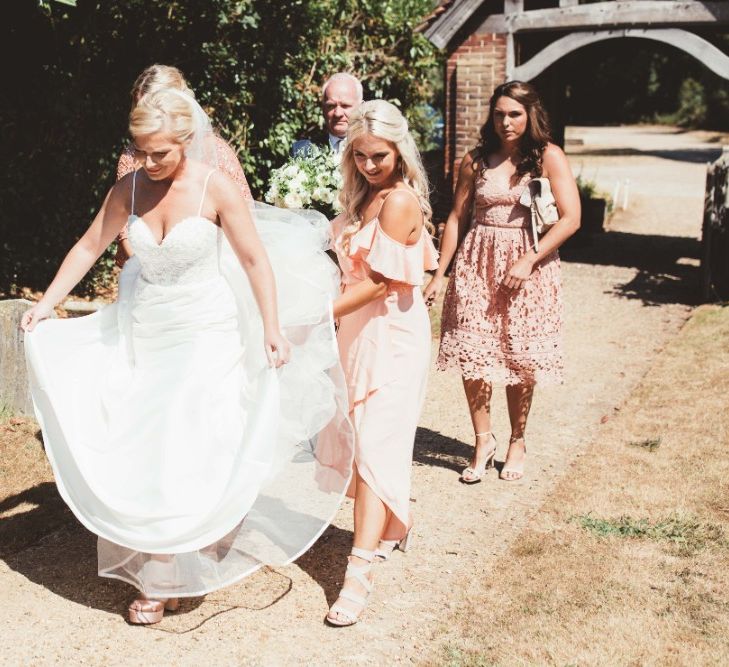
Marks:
<point>473,70</point>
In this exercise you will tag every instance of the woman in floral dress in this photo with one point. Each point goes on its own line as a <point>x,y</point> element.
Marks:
<point>502,314</point>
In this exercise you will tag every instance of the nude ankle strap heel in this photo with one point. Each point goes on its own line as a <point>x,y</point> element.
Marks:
<point>473,474</point>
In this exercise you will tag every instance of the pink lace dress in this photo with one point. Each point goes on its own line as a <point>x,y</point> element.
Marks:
<point>384,349</point>
<point>489,332</point>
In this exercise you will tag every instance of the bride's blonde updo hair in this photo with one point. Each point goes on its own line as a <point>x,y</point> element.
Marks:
<point>384,120</point>
<point>167,110</point>
<point>156,77</point>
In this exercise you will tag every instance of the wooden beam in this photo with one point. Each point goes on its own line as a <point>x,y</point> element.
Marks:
<point>444,28</point>
<point>611,14</point>
<point>620,13</point>
<point>565,3</point>
<point>698,47</point>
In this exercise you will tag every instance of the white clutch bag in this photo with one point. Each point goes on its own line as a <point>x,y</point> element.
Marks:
<point>538,197</point>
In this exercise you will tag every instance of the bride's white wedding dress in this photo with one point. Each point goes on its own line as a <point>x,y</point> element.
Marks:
<point>168,434</point>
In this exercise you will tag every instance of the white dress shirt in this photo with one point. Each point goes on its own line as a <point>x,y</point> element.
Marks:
<point>337,143</point>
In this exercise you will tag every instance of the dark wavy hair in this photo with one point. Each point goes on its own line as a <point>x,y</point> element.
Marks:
<point>537,135</point>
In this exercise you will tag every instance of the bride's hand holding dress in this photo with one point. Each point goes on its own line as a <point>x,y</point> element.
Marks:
<point>237,225</point>
<point>110,219</point>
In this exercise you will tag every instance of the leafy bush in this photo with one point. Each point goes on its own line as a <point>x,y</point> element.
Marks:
<point>692,108</point>
<point>255,65</point>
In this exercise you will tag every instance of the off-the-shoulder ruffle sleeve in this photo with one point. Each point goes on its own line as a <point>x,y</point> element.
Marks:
<point>392,259</point>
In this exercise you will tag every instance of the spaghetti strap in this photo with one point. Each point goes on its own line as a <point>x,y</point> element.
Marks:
<point>134,188</point>
<point>205,189</point>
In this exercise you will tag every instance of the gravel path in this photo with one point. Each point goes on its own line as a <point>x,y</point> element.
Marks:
<point>626,295</point>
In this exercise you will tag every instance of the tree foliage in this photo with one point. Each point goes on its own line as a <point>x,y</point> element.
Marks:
<point>256,66</point>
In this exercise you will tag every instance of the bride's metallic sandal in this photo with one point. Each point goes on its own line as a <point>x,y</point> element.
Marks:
<point>386,547</point>
<point>473,474</point>
<point>341,616</point>
<point>145,611</point>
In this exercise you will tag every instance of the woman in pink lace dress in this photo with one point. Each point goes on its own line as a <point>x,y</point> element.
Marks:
<point>157,77</point>
<point>384,248</point>
<point>502,314</point>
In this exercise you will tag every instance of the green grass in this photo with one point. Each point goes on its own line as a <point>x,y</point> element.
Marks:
<point>685,533</point>
<point>649,444</point>
<point>6,412</point>
<point>455,657</point>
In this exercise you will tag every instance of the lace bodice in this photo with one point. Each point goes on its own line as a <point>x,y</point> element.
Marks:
<point>188,254</point>
<point>496,204</point>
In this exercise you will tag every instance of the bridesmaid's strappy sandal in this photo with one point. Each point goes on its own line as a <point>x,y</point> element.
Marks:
<point>145,611</point>
<point>513,472</point>
<point>341,616</point>
<point>386,547</point>
<point>473,474</point>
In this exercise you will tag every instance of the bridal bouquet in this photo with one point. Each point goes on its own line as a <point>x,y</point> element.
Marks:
<point>310,181</point>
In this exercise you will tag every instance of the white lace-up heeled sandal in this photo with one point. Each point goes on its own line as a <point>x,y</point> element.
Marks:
<point>386,547</point>
<point>343,616</point>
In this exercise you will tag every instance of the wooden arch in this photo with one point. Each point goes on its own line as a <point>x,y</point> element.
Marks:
<point>698,47</point>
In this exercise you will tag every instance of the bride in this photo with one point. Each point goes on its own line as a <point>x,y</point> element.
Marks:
<point>186,423</point>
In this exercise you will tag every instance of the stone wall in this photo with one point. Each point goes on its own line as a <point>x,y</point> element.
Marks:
<point>14,394</point>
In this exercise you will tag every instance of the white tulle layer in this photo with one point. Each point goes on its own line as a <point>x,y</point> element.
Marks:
<point>172,440</point>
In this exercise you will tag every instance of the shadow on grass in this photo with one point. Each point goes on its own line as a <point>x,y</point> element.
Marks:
<point>326,561</point>
<point>42,540</point>
<point>694,155</point>
<point>666,265</point>
<point>435,449</point>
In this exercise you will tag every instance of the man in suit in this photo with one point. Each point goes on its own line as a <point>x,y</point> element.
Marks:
<point>340,95</point>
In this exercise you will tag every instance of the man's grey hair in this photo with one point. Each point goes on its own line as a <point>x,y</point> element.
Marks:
<point>344,76</point>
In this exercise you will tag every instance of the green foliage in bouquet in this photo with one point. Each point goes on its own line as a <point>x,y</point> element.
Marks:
<point>256,66</point>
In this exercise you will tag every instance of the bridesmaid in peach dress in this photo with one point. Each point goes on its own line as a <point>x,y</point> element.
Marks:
<point>383,245</point>
<point>502,314</point>
<point>154,78</point>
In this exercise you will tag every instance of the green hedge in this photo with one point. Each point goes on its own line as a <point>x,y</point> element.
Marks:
<point>256,65</point>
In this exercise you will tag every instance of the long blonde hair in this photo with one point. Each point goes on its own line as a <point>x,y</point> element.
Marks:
<point>156,77</point>
<point>384,120</point>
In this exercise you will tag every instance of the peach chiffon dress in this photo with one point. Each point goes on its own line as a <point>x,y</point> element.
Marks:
<point>385,353</point>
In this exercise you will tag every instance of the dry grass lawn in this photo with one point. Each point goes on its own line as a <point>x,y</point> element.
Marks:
<point>628,561</point>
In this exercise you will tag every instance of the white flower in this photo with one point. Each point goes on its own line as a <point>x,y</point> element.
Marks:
<point>291,170</point>
<point>298,182</point>
<point>293,200</point>
<point>273,192</point>
<point>324,195</point>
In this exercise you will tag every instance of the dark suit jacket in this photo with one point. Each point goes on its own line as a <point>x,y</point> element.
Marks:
<point>301,147</point>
